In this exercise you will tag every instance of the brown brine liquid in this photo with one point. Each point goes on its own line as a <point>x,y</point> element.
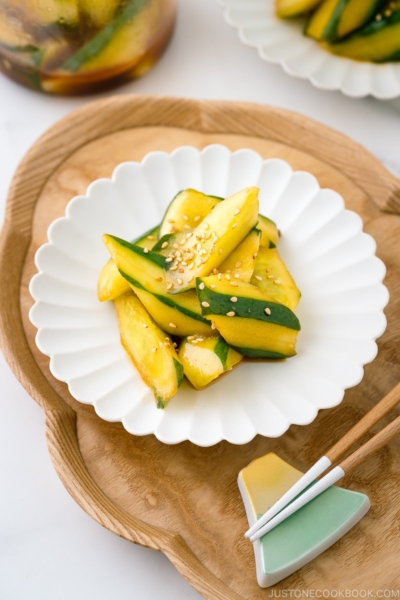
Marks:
<point>81,46</point>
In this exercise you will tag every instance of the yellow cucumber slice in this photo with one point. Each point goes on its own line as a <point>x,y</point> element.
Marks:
<point>248,319</point>
<point>377,42</point>
<point>213,240</point>
<point>335,19</point>
<point>111,284</point>
<point>270,232</point>
<point>99,12</point>
<point>273,278</point>
<point>147,346</point>
<point>205,359</point>
<point>240,263</point>
<point>293,8</point>
<point>179,315</point>
<point>186,211</point>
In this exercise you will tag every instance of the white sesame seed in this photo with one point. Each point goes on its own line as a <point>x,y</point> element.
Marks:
<point>234,225</point>
<point>184,264</point>
<point>228,277</point>
<point>237,211</point>
<point>220,251</point>
<point>213,286</point>
<point>190,337</point>
<point>206,226</point>
<point>188,235</point>
<point>197,219</point>
<point>171,221</point>
<point>145,325</point>
<point>198,247</point>
<point>174,268</point>
<point>180,281</point>
<point>212,325</point>
<point>267,311</point>
<point>146,250</point>
<point>219,276</point>
<point>191,266</point>
<point>231,313</point>
<point>215,271</point>
<point>204,261</point>
<point>182,242</point>
<point>228,271</point>
<point>255,255</point>
<point>158,278</point>
<point>186,218</point>
<point>150,237</point>
<point>237,275</point>
<point>154,349</point>
<point>175,246</point>
<point>237,265</point>
<point>167,344</point>
<point>233,299</point>
<point>205,304</point>
<point>170,286</point>
<point>164,244</point>
<point>190,279</point>
<point>258,277</point>
<point>270,277</point>
<point>172,325</point>
<point>277,281</point>
<point>201,286</point>
<point>175,345</point>
<point>186,226</point>
<point>234,283</point>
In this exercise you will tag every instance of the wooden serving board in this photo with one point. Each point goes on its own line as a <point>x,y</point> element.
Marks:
<point>183,500</point>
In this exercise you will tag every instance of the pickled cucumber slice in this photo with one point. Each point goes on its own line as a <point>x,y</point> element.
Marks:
<point>205,359</point>
<point>178,315</point>
<point>111,284</point>
<point>293,8</point>
<point>150,350</point>
<point>212,241</point>
<point>99,12</point>
<point>186,211</point>
<point>271,275</point>
<point>248,320</point>
<point>241,262</point>
<point>116,43</point>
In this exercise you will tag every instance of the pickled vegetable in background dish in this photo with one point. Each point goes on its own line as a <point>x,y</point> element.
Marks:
<point>79,46</point>
<point>364,30</point>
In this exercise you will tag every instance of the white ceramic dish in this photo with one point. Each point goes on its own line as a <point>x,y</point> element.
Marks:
<point>332,260</point>
<point>282,42</point>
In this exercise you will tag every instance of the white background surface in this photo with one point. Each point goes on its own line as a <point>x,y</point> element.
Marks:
<point>49,548</point>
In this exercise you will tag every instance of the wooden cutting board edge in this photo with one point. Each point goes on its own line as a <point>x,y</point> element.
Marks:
<point>95,120</point>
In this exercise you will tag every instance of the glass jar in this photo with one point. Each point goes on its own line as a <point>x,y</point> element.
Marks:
<point>81,46</point>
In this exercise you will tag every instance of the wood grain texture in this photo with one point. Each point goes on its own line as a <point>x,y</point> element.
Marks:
<point>382,408</point>
<point>183,500</point>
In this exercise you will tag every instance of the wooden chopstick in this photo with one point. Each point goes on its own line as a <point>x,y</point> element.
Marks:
<point>383,407</point>
<point>372,417</point>
<point>356,458</point>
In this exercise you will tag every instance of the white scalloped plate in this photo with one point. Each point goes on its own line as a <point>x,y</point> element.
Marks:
<point>282,42</point>
<point>332,260</point>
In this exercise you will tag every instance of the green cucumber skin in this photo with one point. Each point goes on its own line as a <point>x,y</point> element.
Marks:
<point>150,255</point>
<point>254,353</point>
<point>165,238</point>
<point>103,38</point>
<point>179,372</point>
<point>221,349</point>
<point>164,299</point>
<point>249,308</point>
